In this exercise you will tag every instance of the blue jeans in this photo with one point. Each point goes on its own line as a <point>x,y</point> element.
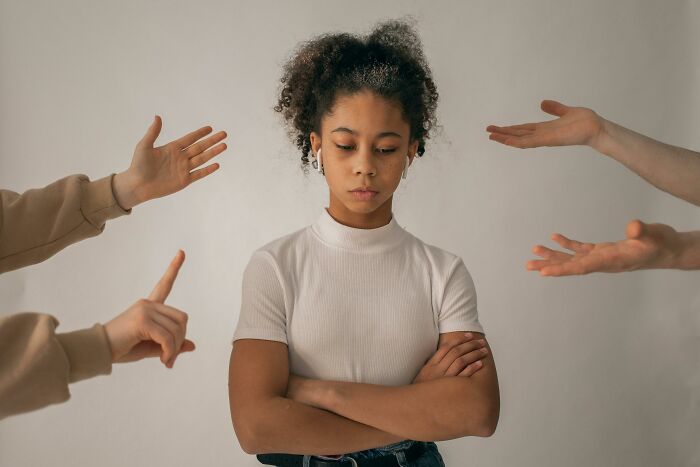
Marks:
<point>430,457</point>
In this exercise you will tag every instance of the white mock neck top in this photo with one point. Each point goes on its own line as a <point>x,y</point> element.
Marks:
<point>360,305</point>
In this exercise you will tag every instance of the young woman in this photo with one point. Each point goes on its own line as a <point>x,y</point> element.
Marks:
<point>357,343</point>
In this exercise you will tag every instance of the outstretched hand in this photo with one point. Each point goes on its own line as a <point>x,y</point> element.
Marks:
<point>647,246</point>
<point>149,328</point>
<point>159,171</point>
<point>575,125</point>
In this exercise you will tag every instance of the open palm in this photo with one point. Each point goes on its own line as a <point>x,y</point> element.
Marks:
<point>169,168</point>
<point>575,125</point>
<point>646,246</point>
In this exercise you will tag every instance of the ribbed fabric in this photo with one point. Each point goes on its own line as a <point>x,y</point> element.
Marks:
<point>361,305</point>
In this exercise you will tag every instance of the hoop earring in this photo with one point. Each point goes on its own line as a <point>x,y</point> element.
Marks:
<point>405,169</point>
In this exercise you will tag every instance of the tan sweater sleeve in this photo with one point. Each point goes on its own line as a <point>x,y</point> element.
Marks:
<point>40,222</point>
<point>36,364</point>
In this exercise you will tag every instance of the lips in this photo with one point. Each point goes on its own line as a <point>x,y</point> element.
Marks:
<point>364,194</point>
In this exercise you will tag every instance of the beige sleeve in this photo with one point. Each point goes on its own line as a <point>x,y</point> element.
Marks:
<point>36,364</point>
<point>40,222</point>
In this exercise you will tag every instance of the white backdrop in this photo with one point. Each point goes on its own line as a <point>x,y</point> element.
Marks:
<point>595,370</point>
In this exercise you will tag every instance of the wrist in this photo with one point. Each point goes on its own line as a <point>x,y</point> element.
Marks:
<point>686,251</point>
<point>126,190</point>
<point>603,140</point>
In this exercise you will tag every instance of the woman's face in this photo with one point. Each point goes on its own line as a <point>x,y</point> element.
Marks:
<point>364,144</point>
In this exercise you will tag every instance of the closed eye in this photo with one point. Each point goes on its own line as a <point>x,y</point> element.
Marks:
<point>345,148</point>
<point>386,150</point>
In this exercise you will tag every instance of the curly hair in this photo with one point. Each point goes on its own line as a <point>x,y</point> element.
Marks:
<point>389,61</point>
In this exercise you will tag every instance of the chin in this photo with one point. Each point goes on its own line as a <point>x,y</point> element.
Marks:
<point>363,208</point>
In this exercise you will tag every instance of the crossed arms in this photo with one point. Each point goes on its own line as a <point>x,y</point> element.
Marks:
<point>273,411</point>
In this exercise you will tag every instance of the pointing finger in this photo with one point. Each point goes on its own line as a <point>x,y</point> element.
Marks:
<point>165,284</point>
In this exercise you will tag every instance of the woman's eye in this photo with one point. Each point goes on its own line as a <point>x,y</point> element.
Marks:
<point>386,150</point>
<point>344,148</point>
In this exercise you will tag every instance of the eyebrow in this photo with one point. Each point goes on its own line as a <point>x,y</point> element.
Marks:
<point>342,129</point>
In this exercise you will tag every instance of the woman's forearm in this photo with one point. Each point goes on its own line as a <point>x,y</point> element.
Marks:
<point>441,409</point>
<point>672,169</point>
<point>286,426</point>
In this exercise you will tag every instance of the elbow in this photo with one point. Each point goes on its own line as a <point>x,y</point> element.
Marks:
<point>252,435</point>
<point>248,431</point>
<point>487,421</point>
<point>487,427</point>
<point>246,437</point>
<point>479,419</point>
<point>249,439</point>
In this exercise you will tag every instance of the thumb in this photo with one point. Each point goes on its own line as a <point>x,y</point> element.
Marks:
<point>636,229</point>
<point>554,107</point>
<point>187,346</point>
<point>149,139</point>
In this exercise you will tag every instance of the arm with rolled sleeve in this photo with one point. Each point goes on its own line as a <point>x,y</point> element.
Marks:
<point>36,363</point>
<point>38,223</point>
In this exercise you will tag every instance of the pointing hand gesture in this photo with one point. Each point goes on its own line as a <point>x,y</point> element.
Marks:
<point>150,328</point>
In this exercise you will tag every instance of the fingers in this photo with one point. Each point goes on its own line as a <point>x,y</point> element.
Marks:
<point>513,130</point>
<point>522,142</point>
<point>163,337</point>
<point>573,245</point>
<point>177,337</point>
<point>165,284</point>
<point>192,137</point>
<point>203,172</point>
<point>458,354</point>
<point>201,146</point>
<point>174,323</point>
<point>549,254</point>
<point>554,107</point>
<point>537,264</point>
<point>206,156</point>
<point>179,320</point>
<point>472,368</point>
<point>573,268</point>
<point>152,133</point>
<point>461,363</point>
<point>443,349</point>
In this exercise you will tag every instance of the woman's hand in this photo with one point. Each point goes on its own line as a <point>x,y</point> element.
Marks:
<point>647,246</point>
<point>456,357</point>
<point>160,171</point>
<point>575,125</point>
<point>150,328</point>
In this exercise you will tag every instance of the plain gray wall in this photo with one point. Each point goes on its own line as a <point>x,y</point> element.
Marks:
<point>594,370</point>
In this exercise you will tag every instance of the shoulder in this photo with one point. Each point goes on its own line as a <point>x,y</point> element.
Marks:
<point>285,250</point>
<point>440,260</point>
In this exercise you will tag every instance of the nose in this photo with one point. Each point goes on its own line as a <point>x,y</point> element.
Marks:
<point>365,162</point>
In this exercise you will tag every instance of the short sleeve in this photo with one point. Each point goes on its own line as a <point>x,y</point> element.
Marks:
<point>262,314</point>
<point>458,311</point>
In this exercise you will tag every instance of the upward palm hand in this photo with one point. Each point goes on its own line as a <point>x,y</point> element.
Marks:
<point>575,125</point>
<point>646,246</point>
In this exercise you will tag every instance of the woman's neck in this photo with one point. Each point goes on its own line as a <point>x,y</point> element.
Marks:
<point>360,220</point>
